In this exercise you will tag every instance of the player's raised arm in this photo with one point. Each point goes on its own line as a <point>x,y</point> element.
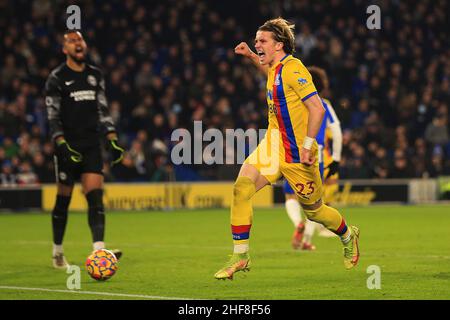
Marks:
<point>244,50</point>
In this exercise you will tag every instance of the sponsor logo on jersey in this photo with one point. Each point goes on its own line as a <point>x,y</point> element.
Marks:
<point>83,95</point>
<point>68,83</point>
<point>270,94</point>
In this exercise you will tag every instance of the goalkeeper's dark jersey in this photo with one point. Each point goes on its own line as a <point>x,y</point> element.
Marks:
<point>76,105</point>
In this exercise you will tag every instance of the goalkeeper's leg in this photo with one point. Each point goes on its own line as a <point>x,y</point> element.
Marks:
<point>93,188</point>
<point>59,222</point>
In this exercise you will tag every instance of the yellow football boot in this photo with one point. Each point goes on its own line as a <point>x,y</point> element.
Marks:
<point>237,262</point>
<point>351,249</point>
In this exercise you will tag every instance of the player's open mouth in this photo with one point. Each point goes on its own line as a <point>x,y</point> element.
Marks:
<point>79,49</point>
<point>261,54</point>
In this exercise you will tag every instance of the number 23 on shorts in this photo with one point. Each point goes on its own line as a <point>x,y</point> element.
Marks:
<point>309,186</point>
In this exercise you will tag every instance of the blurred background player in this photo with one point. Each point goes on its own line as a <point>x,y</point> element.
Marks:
<point>78,117</point>
<point>304,231</point>
<point>295,113</point>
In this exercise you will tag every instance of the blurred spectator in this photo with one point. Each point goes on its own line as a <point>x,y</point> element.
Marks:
<point>305,41</point>
<point>359,116</point>
<point>7,176</point>
<point>44,170</point>
<point>436,132</point>
<point>126,170</point>
<point>436,166</point>
<point>138,156</point>
<point>401,167</point>
<point>164,171</point>
<point>26,176</point>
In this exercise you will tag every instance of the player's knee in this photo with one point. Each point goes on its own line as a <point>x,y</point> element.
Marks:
<point>96,216</point>
<point>95,198</point>
<point>65,190</point>
<point>243,189</point>
<point>61,205</point>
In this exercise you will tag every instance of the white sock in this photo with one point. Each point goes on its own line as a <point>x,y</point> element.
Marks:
<point>241,248</point>
<point>347,238</point>
<point>98,245</point>
<point>293,210</point>
<point>57,248</point>
<point>310,227</point>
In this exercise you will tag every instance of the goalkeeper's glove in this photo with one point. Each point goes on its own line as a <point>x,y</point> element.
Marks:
<point>333,168</point>
<point>116,151</point>
<point>66,153</point>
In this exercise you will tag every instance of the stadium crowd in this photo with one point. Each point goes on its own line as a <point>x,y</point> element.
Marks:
<point>172,62</point>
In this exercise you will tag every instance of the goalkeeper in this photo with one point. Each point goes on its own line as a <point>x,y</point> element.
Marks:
<point>78,117</point>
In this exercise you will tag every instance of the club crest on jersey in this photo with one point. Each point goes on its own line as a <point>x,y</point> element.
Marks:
<point>269,94</point>
<point>91,80</point>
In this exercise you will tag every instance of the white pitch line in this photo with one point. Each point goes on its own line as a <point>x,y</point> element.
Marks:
<point>96,293</point>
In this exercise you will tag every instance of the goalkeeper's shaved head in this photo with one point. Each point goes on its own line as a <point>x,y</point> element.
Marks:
<point>74,46</point>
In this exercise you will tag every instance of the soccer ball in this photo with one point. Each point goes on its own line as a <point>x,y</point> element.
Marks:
<point>101,264</point>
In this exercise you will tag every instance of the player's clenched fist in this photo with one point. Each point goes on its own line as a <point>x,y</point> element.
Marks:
<point>306,157</point>
<point>243,49</point>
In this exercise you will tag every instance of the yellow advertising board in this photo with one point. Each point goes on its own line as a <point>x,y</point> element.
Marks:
<point>348,196</point>
<point>157,196</point>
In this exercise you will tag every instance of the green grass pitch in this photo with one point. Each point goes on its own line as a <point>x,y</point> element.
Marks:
<point>174,254</point>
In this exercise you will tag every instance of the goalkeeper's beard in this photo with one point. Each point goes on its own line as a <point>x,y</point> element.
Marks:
<point>77,60</point>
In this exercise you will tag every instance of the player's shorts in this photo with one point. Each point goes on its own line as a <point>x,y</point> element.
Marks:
<point>68,173</point>
<point>287,189</point>
<point>305,180</point>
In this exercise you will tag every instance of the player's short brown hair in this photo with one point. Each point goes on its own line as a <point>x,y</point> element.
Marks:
<point>282,31</point>
<point>319,77</point>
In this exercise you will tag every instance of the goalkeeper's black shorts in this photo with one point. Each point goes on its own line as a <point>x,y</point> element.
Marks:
<point>68,172</point>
